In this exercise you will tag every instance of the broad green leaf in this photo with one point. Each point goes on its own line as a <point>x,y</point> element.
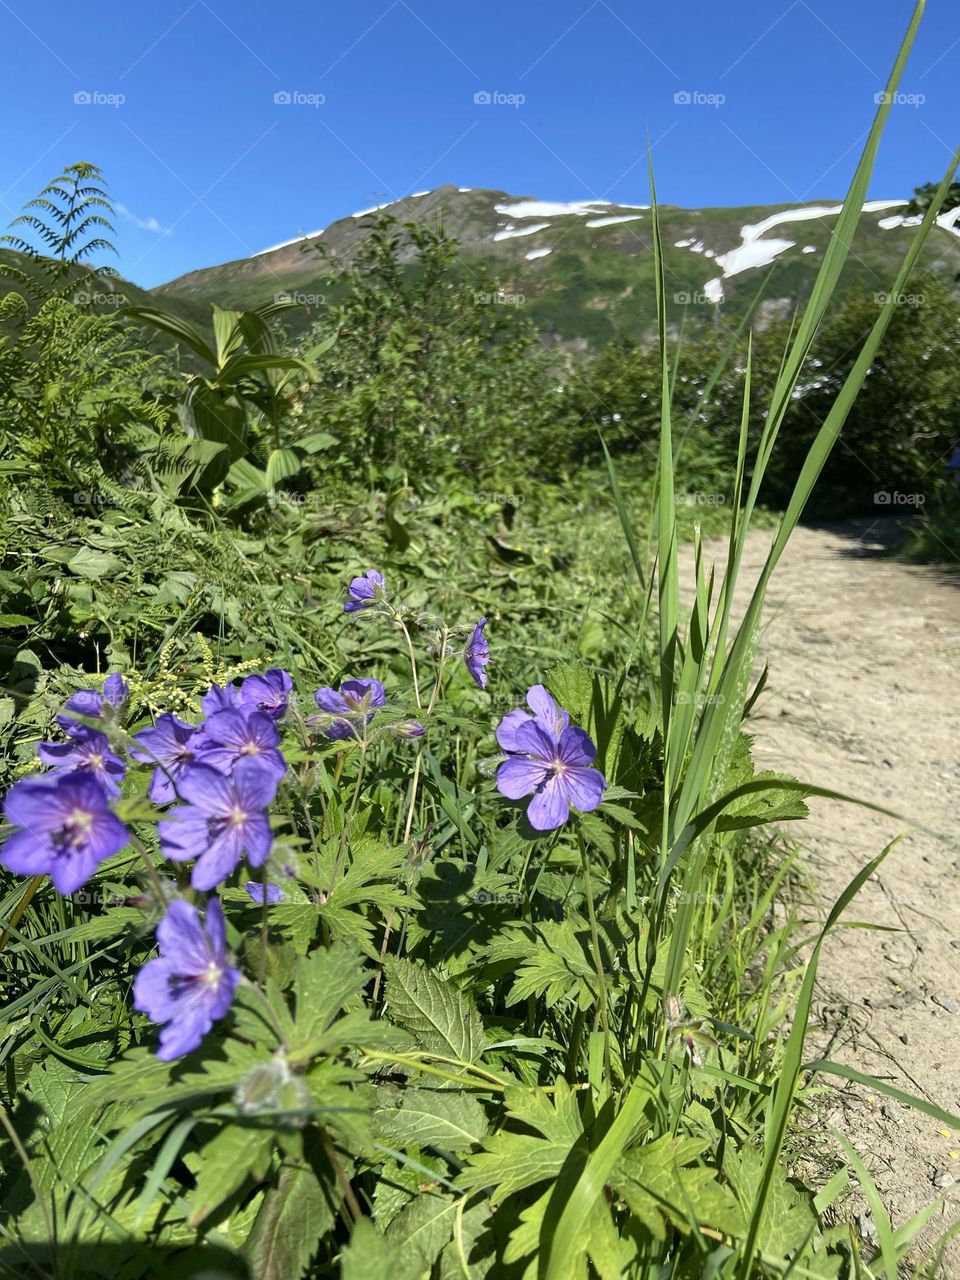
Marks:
<point>442,1018</point>
<point>87,563</point>
<point>429,1118</point>
<point>292,1218</point>
<point>223,1165</point>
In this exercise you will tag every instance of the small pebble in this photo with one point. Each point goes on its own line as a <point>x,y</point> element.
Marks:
<point>945,1002</point>
<point>890,1112</point>
<point>903,1038</point>
<point>943,1178</point>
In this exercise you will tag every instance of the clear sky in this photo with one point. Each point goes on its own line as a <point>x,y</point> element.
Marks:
<point>225,126</point>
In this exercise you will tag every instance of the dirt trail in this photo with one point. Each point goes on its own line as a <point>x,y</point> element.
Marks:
<point>863,697</point>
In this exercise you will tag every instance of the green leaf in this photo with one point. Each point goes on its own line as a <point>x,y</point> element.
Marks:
<point>512,1161</point>
<point>316,442</point>
<point>87,563</point>
<point>281,464</point>
<point>368,1256</point>
<point>294,1215</point>
<point>419,1232</point>
<point>442,1018</point>
<point>430,1118</point>
<point>223,1165</point>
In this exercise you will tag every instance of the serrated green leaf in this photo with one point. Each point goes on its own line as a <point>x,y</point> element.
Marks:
<point>430,1118</point>
<point>223,1165</point>
<point>292,1218</point>
<point>420,1231</point>
<point>443,1019</point>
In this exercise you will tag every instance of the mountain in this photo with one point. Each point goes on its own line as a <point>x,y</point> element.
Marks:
<point>584,270</point>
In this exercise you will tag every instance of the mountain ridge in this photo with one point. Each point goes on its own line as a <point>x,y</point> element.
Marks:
<point>585,268</point>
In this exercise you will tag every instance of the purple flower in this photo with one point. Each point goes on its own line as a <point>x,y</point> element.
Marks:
<point>550,760</point>
<point>545,711</point>
<point>354,706</point>
<point>477,654</point>
<point>86,751</point>
<point>408,729</point>
<point>90,702</point>
<point>230,736</point>
<point>222,819</point>
<point>256,891</point>
<point>267,693</point>
<point>365,592</point>
<point>170,744</point>
<point>66,829</point>
<point>220,697</point>
<point>115,690</point>
<point>190,985</point>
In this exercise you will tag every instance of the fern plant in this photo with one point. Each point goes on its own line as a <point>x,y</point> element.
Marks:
<point>70,218</point>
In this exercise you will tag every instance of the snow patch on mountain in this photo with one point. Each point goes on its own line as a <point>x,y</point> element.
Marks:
<point>559,208</point>
<point>616,217</point>
<point>537,253</point>
<point>754,251</point>
<point>510,233</point>
<point>713,290</point>
<point>305,235</point>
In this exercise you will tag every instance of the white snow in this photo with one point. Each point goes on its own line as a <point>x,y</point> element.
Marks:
<point>754,251</point>
<point>417,194</point>
<point>559,209</point>
<point>684,244</point>
<point>537,253</point>
<point>464,190</point>
<point>374,209</point>
<point>305,235</point>
<point>713,290</point>
<point>948,221</point>
<point>809,248</point>
<point>550,208</point>
<point>512,232</point>
<point>617,217</point>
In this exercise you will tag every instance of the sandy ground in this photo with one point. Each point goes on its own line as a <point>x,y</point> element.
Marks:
<point>863,697</point>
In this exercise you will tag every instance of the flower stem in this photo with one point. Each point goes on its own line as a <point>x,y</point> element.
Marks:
<point>597,958</point>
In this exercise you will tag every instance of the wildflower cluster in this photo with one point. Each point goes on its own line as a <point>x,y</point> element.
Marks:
<point>213,784</point>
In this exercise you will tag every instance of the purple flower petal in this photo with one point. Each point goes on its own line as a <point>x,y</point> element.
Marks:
<point>267,693</point>
<point>256,891</point>
<point>365,592</point>
<point>477,654</point>
<point>518,777</point>
<point>190,985</point>
<point>220,698</point>
<point>218,860</point>
<point>255,783</point>
<point>507,729</point>
<point>549,808</point>
<point>584,788</point>
<point>576,747</point>
<point>66,828</point>
<point>328,699</point>
<point>546,710</point>
<point>115,690</point>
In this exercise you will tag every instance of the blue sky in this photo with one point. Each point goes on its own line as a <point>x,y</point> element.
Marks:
<point>206,165</point>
